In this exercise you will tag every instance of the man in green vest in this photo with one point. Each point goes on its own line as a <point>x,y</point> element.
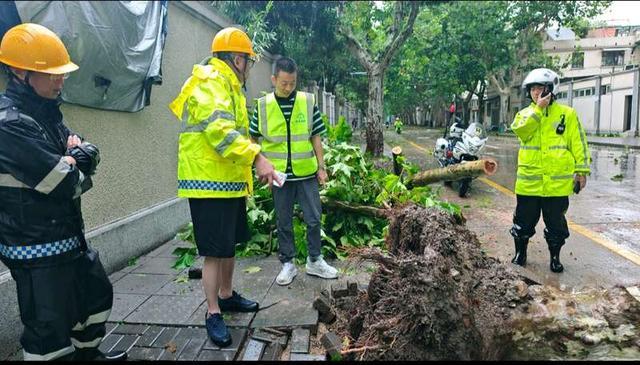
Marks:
<point>215,155</point>
<point>289,126</point>
<point>553,162</point>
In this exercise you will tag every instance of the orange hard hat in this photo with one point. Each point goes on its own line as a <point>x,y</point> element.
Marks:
<point>33,47</point>
<point>232,39</point>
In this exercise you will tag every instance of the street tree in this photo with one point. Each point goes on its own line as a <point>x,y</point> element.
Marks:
<point>374,31</point>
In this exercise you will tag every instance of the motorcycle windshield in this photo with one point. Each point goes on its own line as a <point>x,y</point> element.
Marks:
<point>476,130</point>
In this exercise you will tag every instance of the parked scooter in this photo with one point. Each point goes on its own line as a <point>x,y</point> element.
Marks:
<point>460,146</point>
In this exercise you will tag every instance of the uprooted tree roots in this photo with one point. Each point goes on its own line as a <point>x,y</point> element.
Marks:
<point>436,296</point>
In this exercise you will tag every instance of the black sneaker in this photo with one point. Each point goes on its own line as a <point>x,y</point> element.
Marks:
<point>217,330</point>
<point>236,303</point>
<point>93,354</point>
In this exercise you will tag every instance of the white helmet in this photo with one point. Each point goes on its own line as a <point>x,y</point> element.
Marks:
<point>542,76</point>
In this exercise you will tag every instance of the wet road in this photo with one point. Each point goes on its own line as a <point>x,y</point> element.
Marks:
<point>604,247</point>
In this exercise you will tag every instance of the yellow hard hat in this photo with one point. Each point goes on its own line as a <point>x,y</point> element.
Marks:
<point>35,48</point>
<point>232,39</point>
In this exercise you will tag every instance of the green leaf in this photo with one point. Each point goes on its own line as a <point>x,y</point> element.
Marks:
<point>252,269</point>
<point>181,279</point>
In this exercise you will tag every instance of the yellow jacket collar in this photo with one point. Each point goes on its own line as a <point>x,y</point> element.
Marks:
<point>226,71</point>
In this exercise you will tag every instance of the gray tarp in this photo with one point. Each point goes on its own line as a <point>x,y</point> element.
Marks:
<point>117,44</point>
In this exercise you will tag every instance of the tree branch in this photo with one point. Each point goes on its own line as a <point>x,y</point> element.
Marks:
<point>397,39</point>
<point>352,42</point>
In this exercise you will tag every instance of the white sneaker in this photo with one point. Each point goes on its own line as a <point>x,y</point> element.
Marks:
<point>321,268</point>
<point>287,274</point>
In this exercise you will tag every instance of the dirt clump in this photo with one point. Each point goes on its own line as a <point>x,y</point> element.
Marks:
<point>435,296</point>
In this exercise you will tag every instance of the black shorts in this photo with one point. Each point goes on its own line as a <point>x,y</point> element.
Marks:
<point>218,224</point>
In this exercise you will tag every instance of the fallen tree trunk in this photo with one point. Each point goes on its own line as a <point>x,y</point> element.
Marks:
<point>360,209</point>
<point>455,172</point>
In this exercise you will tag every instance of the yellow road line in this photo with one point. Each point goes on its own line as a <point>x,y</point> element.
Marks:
<point>594,236</point>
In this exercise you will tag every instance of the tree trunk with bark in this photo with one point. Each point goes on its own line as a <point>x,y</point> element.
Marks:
<point>375,140</point>
<point>455,172</point>
<point>376,65</point>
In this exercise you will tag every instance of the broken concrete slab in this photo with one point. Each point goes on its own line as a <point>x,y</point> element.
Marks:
<point>307,357</point>
<point>253,350</point>
<point>332,344</point>
<point>300,340</point>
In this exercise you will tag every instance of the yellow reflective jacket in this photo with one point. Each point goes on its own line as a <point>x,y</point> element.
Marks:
<point>547,161</point>
<point>215,153</point>
<point>277,138</point>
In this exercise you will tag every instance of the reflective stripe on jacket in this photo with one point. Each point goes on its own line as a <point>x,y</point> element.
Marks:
<point>547,161</point>
<point>215,153</point>
<point>273,128</point>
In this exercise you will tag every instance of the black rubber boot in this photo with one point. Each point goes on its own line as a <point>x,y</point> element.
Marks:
<point>555,264</point>
<point>521,251</point>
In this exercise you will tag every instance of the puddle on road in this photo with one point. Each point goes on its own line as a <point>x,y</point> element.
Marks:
<point>615,165</point>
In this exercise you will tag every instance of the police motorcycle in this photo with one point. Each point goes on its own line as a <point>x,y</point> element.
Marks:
<point>462,145</point>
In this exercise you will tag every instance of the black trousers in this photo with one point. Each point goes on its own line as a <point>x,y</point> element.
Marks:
<point>63,307</point>
<point>527,215</point>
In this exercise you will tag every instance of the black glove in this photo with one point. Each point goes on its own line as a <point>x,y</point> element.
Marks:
<point>87,157</point>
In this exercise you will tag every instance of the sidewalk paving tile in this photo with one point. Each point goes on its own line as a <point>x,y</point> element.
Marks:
<point>125,343</point>
<point>165,337</point>
<point>166,250</point>
<point>193,288</point>
<point>192,349</point>
<point>156,265</point>
<point>144,353</point>
<point>174,349</point>
<point>124,304</point>
<point>165,309</point>
<point>230,319</point>
<point>139,261</point>
<point>216,355</point>
<point>150,335</point>
<point>130,329</point>
<point>238,336</point>
<point>294,307</point>
<point>141,283</point>
<point>109,342</point>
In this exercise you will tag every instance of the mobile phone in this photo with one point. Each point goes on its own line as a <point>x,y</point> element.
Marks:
<point>576,187</point>
<point>545,92</point>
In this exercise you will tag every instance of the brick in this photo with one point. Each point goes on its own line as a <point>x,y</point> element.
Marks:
<point>332,344</point>
<point>130,329</point>
<point>352,288</point>
<point>307,357</point>
<point>125,343</point>
<point>108,342</point>
<point>339,290</point>
<point>167,335</point>
<point>216,355</point>
<point>150,335</point>
<point>272,352</point>
<point>253,351</point>
<point>109,326</point>
<point>144,353</point>
<point>265,336</point>
<point>322,304</point>
<point>300,340</point>
<point>192,349</point>
<point>173,349</point>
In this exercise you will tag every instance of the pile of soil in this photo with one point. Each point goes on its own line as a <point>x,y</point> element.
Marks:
<point>437,296</point>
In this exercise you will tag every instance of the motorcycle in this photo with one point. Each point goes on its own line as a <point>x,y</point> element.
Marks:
<point>460,146</point>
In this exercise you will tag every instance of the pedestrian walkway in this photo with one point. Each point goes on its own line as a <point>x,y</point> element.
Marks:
<point>158,313</point>
<point>621,142</point>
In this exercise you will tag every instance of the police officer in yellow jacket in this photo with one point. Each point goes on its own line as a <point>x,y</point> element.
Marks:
<point>215,156</point>
<point>553,162</point>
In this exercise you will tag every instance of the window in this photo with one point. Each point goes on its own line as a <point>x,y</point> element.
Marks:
<point>605,89</point>
<point>612,58</point>
<point>587,92</point>
<point>562,95</point>
<point>577,60</point>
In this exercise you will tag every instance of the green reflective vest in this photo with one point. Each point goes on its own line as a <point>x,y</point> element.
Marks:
<point>215,154</point>
<point>547,161</point>
<point>273,128</point>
